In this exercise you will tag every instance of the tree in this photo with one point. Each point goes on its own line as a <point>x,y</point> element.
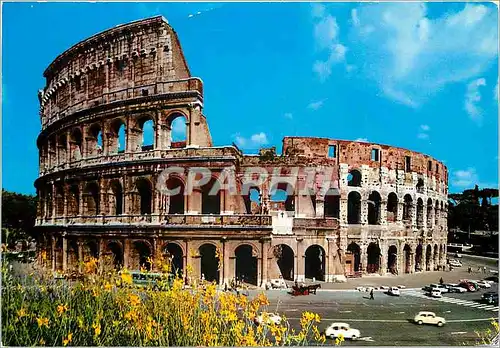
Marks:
<point>18,216</point>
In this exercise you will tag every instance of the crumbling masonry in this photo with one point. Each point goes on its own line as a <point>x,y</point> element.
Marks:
<point>97,197</point>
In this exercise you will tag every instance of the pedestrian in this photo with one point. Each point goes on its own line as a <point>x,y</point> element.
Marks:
<point>484,269</point>
<point>441,281</point>
<point>371,295</point>
<point>469,270</point>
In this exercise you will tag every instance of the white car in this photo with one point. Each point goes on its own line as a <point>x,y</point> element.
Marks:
<point>342,329</point>
<point>436,293</point>
<point>483,284</point>
<point>455,288</point>
<point>268,319</point>
<point>455,263</point>
<point>429,318</point>
<point>394,291</point>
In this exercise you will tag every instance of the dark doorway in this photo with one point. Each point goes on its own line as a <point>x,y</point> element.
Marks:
<point>315,262</point>
<point>246,264</point>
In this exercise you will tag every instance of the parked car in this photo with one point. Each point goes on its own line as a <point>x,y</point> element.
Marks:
<point>435,293</point>
<point>455,263</point>
<point>342,329</point>
<point>268,319</point>
<point>457,255</point>
<point>394,291</point>
<point>429,318</point>
<point>467,285</point>
<point>455,288</point>
<point>490,297</point>
<point>483,284</point>
<point>431,287</point>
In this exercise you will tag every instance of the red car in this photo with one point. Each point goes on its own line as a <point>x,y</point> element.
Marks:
<point>467,285</point>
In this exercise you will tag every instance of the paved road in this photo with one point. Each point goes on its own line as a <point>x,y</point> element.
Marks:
<point>385,320</point>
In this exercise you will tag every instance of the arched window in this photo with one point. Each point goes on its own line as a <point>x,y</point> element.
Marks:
<point>176,199</point>
<point>94,140</point>
<point>407,208</point>
<point>91,199</point>
<point>210,198</point>
<point>76,144</point>
<point>332,203</point>
<point>252,200</point>
<point>282,197</point>
<point>374,208</point>
<point>420,213</point>
<point>145,192</point>
<point>116,201</point>
<point>354,178</point>
<point>392,207</point>
<point>354,208</point>
<point>61,148</point>
<point>117,137</point>
<point>148,133</point>
<point>420,186</point>
<point>177,131</point>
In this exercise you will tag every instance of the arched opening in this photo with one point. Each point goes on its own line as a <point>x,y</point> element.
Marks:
<point>209,264</point>
<point>59,200</point>
<point>420,213</point>
<point>246,264</point>
<point>373,255</point>
<point>392,207</point>
<point>353,258</point>
<point>374,208</point>
<point>210,197</point>
<point>73,200</point>
<point>52,151</point>
<point>407,252</point>
<point>354,178</point>
<point>315,263</point>
<point>436,213</point>
<point>252,200</point>
<point>419,266</point>
<point>117,138</point>
<point>428,258</point>
<point>90,250</point>
<point>116,198</point>
<point>61,148</point>
<point>332,203</point>
<point>420,186</point>
<point>176,198</point>
<point>173,253</point>
<point>94,140</point>
<point>285,259</point>
<point>430,209</point>
<point>91,200</point>
<point>145,192</point>
<point>407,208</point>
<point>76,144</point>
<point>354,208</point>
<point>392,259</point>
<point>142,255</point>
<point>282,197</point>
<point>177,131</point>
<point>441,255</point>
<point>435,257</point>
<point>147,134</point>
<point>115,250</point>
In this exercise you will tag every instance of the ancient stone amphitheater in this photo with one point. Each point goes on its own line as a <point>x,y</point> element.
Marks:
<point>99,180</point>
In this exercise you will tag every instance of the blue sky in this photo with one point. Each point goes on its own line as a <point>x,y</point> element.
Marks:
<point>419,76</point>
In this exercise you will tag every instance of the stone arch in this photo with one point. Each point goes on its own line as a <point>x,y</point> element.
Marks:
<point>251,199</point>
<point>354,178</point>
<point>282,196</point>
<point>75,144</point>
<point>374,208</point>
<point>332,203</point>
<point>90,249</point>
<point>420,213</point>
<point>407,256</point>
<point>62,148</point>
<point>285,258</point>
<point>209,264</point>
<point>91,199</point>
<point>59,199</point>
<point>144,192</point>
<point>353,263</point>
<point>117,136</point>
<point>211,197</point>
<point>177,129</point>
<point>407,208</point>
<point>392,259</point>
<point>94,140</point>
<point>441,255</point>
<point>176,200</point>
<point>420,186</point>
<point>147,138</point>
<point>428,257</point>
<point>315,257</point>
<point>436,213</point>
<point>173,252</point>
<point>392,207</point>
<point>429,212</point>
<point>115,249</point>
<point>373,258</point>
<point>435,258</point>
<point>246,264</point>
<point>354,208</point>
<point>73,200</point>
<point>419,255</point>
<point>115,200</point>
<point>142,254</point>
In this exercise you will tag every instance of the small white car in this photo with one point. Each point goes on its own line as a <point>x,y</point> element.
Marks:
<point>429,318</point>
<point>268,319</point>
<point>455,263</point>
<point>394,291</point>
<point>342,329</point>
<point>483,284</point>
<point>436,293</point>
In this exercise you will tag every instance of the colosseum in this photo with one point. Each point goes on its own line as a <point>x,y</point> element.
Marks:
<point>99,180</point>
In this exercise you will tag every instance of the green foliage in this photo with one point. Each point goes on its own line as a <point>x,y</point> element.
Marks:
<point>18,216</point>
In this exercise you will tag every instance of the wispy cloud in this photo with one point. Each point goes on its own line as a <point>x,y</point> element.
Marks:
<point>495,92</point>
<point>254,142</point>
<point>403,49</point>
<point>472,98</point>
<point>423,132</point>
<point>363,140</point>
<point>326,31</point>
<point>316,105</point>
<point>423,135</point>
<point>465,178</point>
<point>199,13</point>
<point>425,127</point>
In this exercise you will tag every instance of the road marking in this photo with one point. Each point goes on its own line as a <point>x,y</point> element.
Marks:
<point>459,333</point>
<point>368,339</point>
<point>345,311</point>
<point>400,312</point>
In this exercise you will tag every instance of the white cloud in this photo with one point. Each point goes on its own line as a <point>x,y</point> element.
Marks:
<point>472,97</point>
<point>326,32</point>
<point>363,140</point>
<point>424,127</point>
<point>495,92</point>
<point>465,178</point>
<point>412,55</point>
<point>254,142</point>
<point>288,115</point>
<point>423,132</point>
<point>316,105</point>
<point>354,17</point>
<point>423,136</point>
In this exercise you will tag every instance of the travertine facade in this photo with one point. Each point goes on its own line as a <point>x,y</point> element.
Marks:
<point>97,197</point>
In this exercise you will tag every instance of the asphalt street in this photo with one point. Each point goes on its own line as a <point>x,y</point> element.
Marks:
<point>386,320</point>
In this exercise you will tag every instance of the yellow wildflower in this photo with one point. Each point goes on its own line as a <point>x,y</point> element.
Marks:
<point>21,313</point>
<point>68,339</point>
<point>134,300</point>
<point>126,277</point>
<point>42,322</point>
<point>41,342</point>
<point>61,309</point>
<point>97,329</point>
